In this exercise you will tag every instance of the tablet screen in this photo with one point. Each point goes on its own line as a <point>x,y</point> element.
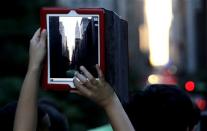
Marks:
<point>72,41</point>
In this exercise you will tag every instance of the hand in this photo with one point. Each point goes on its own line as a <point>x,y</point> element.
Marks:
<point>37,49</point>
<point>97,90</point>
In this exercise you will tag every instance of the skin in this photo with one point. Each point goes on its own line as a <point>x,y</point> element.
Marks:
<point>26,113</point>
<point>97,90</point>
<point>101,92</point>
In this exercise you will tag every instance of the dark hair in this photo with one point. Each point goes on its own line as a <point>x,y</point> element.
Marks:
<point>162,107</point>
<point>7,114</point>
<point>57,120</point>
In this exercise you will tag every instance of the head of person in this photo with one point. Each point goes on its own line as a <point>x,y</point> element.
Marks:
<point>49,117</point>
<point>162,108</point>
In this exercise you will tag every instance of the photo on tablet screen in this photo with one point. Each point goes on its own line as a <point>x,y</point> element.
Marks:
<point>72,41</point>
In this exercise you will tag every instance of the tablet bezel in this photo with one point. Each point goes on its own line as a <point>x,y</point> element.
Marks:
<point>64,12</point>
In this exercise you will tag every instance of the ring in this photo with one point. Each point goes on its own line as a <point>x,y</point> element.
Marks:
<point>85,81</point>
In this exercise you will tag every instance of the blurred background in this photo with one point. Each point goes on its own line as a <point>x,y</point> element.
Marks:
<point>167,44</point>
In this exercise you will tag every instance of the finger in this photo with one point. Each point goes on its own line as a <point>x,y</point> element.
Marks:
<point>75,92</point>
<point>81,77</point>
<point>100,73</point>
<point>43,36</point>
<point>83,80</point>
<point>88,75</point>
<point>86,72</point>
<point>36,34</point>
<point>83,90</point>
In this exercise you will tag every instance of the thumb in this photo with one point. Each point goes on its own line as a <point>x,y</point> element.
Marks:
<point>43,36</point>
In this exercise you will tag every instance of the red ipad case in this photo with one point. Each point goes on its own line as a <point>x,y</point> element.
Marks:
<point>52,79</point>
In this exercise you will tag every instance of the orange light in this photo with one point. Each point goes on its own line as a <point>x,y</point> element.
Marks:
<point>190,86</point>
<point>154,79</point>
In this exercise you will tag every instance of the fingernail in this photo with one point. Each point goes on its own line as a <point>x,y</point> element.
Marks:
<point>43,30</point>
<point>76,73</point>
<point>81,67</point>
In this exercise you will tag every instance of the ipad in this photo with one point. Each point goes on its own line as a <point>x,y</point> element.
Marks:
<point>74,38</point>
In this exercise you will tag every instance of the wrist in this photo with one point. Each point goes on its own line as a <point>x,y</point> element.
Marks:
<point>112,101</point>
<point>34,68</point>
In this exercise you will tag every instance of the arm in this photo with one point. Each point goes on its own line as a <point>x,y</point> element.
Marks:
<point>26,112</point>
<point>101,92</point>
